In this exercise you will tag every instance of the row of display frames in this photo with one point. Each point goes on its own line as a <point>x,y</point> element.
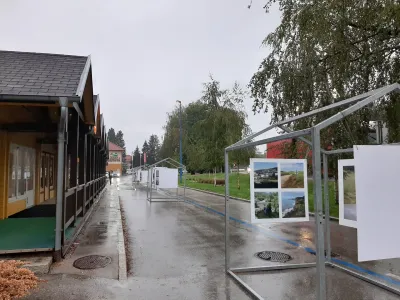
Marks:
<point>160,182</point>
<point>322,230</point>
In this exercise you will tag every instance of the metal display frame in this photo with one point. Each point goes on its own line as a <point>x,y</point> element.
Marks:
<point>149,187</point>
<point>322,228</point>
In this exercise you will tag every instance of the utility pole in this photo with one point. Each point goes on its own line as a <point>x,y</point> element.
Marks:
<point>180,140</point>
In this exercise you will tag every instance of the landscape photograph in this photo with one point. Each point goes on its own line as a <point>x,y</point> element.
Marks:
<point>292,175</point>
<point>266,205</point>
<point>293,205</point>
<point>265,175</point>
<point>349,191</point>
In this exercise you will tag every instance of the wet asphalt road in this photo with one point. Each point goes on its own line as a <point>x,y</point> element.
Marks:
<point>178,253</point>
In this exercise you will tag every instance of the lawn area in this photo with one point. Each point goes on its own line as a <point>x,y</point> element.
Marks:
<point>244,191</point>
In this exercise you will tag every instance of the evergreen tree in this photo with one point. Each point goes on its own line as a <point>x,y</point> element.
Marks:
<point>154,149</point>
<point>145,149</point>
<point>111,136</point>
<point>136,158</point>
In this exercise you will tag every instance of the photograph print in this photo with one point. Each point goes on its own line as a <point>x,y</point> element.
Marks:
<point>293,204</point>
<point>266,205</point>
<point>265,175</point>
<point>349,191</point>
<point>292,175</point>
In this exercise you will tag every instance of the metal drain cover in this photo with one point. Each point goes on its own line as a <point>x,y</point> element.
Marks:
<point>92,262</point>
<point>274,256</point>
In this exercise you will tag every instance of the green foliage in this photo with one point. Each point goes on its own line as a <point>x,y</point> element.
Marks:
<point>136,157</point>
<point>209,125</point>
<point>111,136</point>
<point>328,50</point>
<point>154,149</point>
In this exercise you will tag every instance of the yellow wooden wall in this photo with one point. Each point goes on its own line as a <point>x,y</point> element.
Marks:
<point>22,139</point>
<point>3,174</point>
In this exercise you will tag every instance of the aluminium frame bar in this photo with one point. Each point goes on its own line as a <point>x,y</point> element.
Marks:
<point>329,261</point>
<point>311,113</point>
<point>322,261</point>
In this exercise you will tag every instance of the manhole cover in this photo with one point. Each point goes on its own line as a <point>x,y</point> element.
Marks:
<point>274,256</point>
<point>91,262</point>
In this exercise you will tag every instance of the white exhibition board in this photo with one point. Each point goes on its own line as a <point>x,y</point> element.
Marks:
<point>378,201</point>
<point>347,193</point>
<point>143,176</point>
<point>166,178</point>
<point>278,190</point>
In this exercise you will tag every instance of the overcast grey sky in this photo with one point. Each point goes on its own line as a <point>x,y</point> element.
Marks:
<point>146,54</point>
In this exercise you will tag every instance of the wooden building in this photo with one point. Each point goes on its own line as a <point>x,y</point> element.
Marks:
<point>53,150</point>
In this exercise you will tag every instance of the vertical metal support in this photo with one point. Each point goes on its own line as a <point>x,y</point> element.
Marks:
<point>77,170</point>
<point>320,243</point>
<point>60,177</point>
<point>85,155</point>
<point>227,250</point>
<point>326,204</point>
<point>94,172</point>
<point>184,187</point>
<point>151,182</point>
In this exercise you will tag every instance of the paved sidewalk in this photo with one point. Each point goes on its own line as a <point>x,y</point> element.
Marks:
<point>343,239</point>
<point>102,235</point>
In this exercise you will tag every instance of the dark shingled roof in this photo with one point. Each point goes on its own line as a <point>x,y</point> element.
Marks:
<point>40,74</point>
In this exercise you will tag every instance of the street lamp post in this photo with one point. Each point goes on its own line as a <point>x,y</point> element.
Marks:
<point>180,140</point>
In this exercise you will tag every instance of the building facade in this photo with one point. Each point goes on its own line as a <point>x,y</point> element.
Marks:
<point>53,150</point>
<point>115,158</point>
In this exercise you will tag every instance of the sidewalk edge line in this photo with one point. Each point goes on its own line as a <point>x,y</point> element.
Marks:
<point>122,268</point>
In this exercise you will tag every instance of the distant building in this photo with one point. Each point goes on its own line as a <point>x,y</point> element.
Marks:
<point>128,161</point>
<point>114,158</point>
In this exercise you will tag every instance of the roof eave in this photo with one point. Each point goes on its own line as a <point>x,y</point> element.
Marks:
<point>82,81</point>
<point>36,98</point>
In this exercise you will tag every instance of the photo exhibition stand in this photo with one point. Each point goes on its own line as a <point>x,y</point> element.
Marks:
<point>136,183</point>
<point>167,197</point>
<point>353,104</point>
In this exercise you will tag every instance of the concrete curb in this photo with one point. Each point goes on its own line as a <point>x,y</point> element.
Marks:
<point>216,194</point>
<point>248,201</point>
<point>122,270</point>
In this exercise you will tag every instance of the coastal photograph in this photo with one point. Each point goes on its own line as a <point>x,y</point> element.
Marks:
<point>349,191</point>
<point>293,205</point>
<point>292,175</point>
<point>266,205</point>
<point>265,175</point>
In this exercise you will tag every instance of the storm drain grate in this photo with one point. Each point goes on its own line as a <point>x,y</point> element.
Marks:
<point>274,256</point>
<point>92,262</point>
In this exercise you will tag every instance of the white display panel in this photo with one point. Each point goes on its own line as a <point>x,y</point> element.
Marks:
<point>347,193</point>
<point>143,174</point>
<point>278,190</point>
<point>166,178</point>
<point>378,201</point>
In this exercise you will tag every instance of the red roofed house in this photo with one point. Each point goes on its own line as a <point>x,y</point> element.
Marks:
<point>115,158</point>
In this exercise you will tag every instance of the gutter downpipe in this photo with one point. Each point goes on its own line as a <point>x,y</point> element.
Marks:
<point>60,176</point>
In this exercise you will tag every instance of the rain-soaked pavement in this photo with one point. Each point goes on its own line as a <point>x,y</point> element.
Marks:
<point>178,253</point>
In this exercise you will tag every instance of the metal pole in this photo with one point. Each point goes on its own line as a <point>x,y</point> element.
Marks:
<point>227,252</point>
<point>326,203</point>
<point>184,187</point>
<point>60,177</point>
<point>180,140</point>
<point>316,158</point>
<point>151,183</point>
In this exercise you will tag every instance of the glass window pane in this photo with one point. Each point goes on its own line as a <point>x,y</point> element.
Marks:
<point>11,174</point>
<point>42,173</point>
<point>21,171</point>
<point>51,171</point>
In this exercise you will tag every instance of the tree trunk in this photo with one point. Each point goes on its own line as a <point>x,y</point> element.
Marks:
<point>215,176</point>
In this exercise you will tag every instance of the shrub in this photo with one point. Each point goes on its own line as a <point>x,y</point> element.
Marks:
<point>15,282</point>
